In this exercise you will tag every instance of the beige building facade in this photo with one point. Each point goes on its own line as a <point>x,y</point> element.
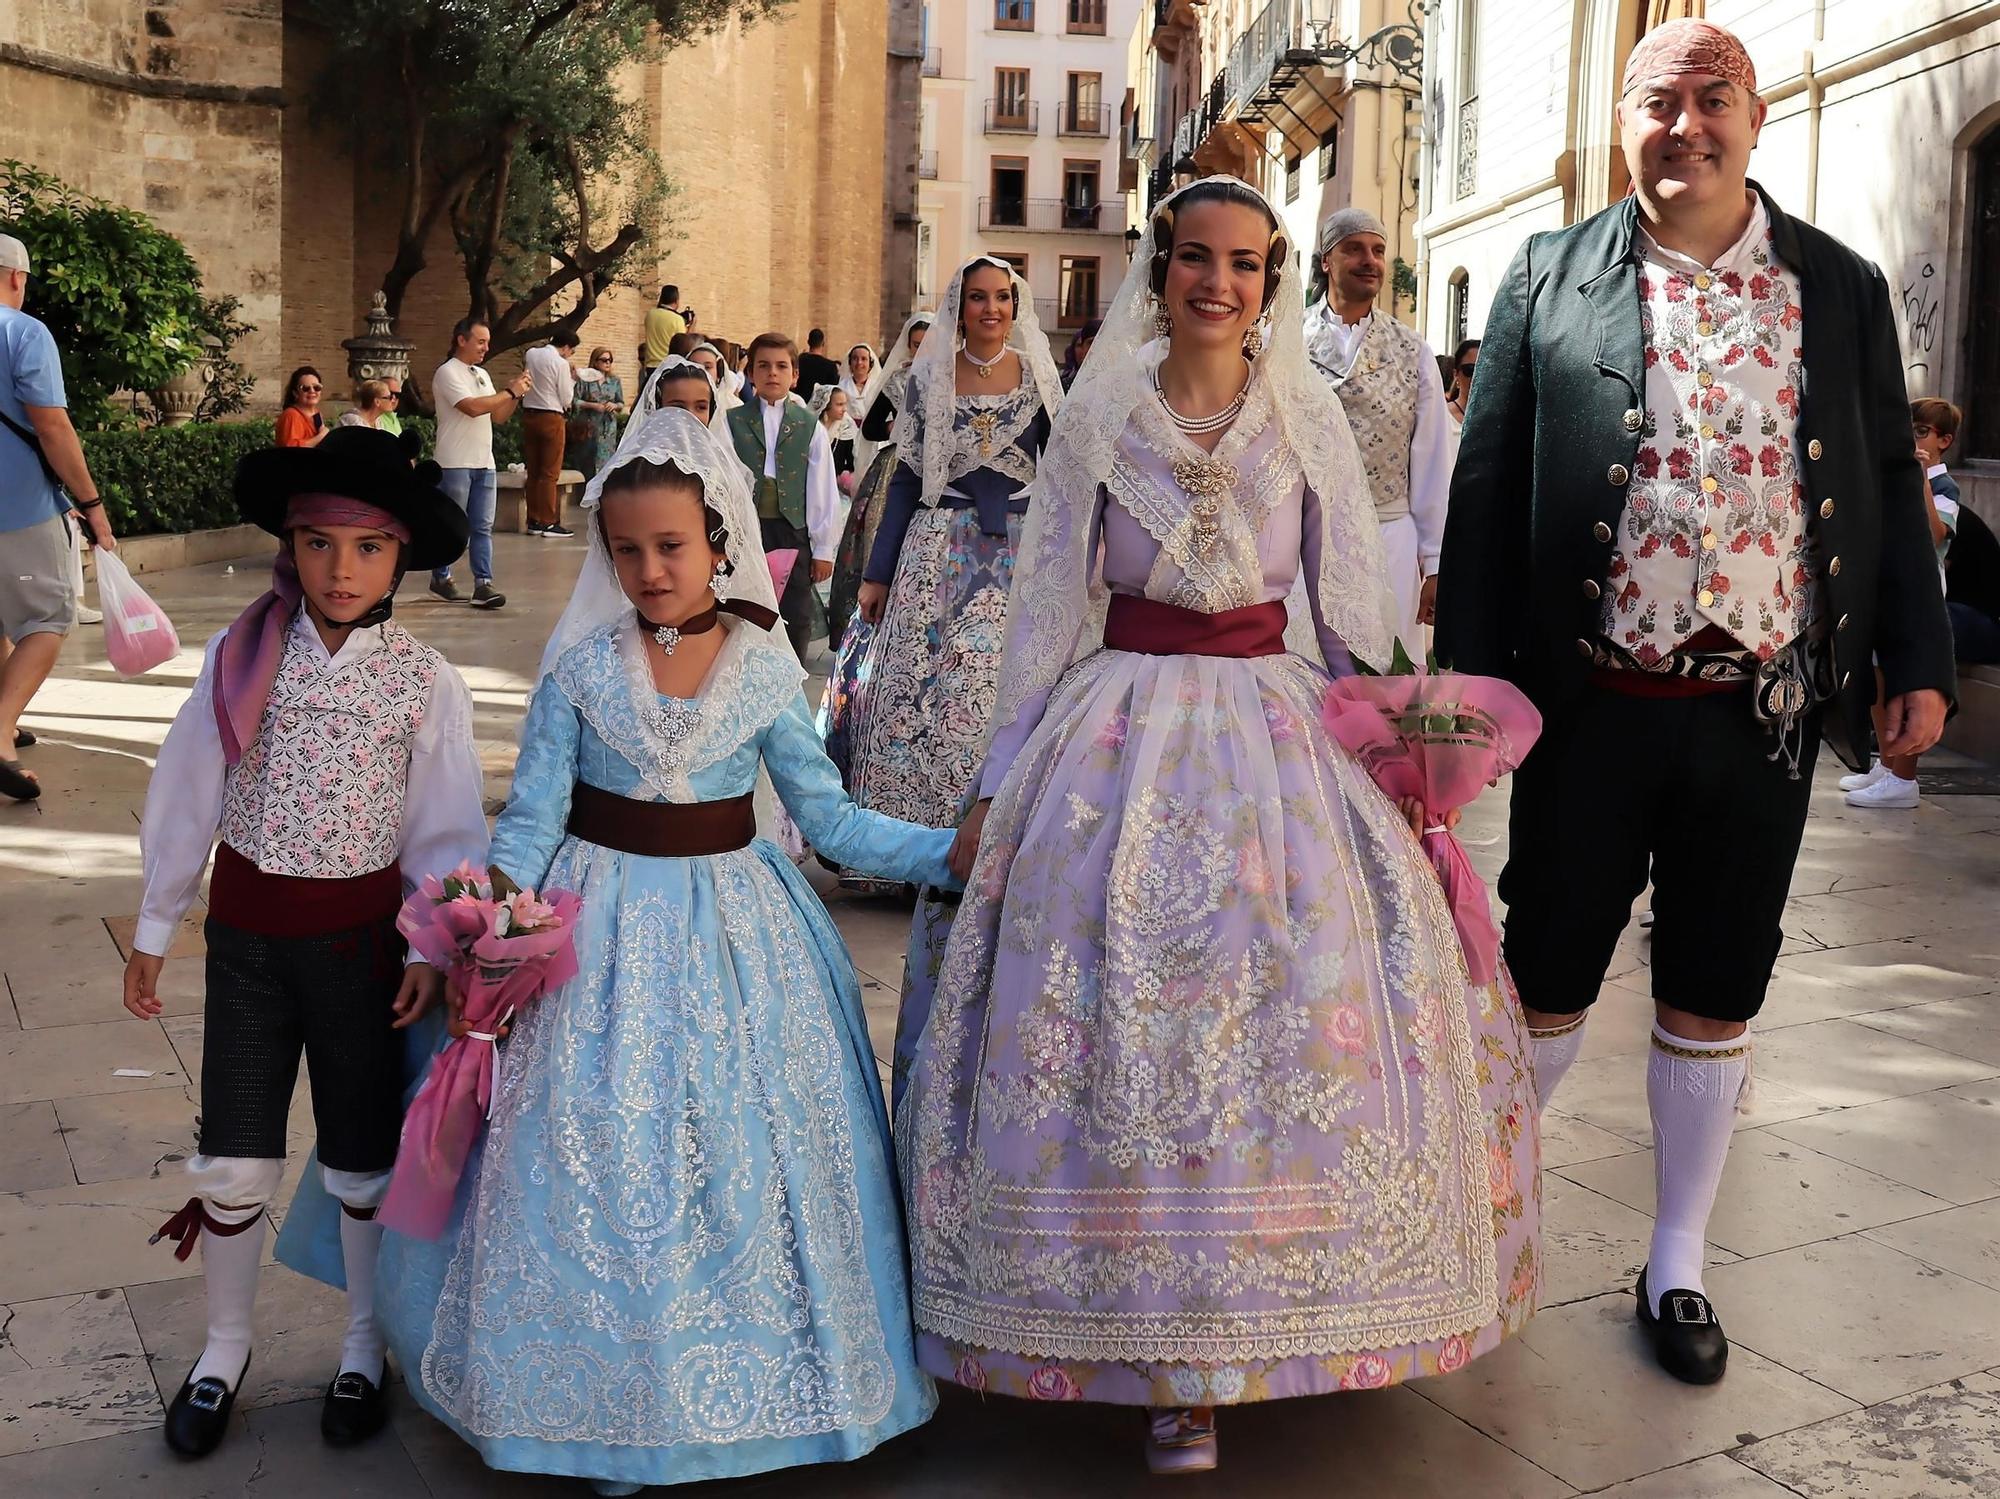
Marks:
<point>1884,130</point>
<point>794,143</point>
<point>1315,102</point>
<point>1020,149</point>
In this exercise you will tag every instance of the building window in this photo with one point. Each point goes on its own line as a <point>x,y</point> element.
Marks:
<point>1980,396</point>
<point>1014,15</point>
<point>924,252</point>
<point>1087,16</point>
<point>1009,204</point>
<point>1078,291</point>
<point>1017,261</point>
<point>1291,179</point>
<point>1010,96</point>
<point>1456,293</point>
<point>1329,152</point>
<point>1083,105</point>
<point>1082,205</point>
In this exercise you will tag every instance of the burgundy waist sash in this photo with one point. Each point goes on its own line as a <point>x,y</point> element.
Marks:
<point>661,830</point>
<point>1150,628</point>
<point>283,905</point>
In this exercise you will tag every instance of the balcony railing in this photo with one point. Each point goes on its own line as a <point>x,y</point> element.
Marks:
<point>1276,28</point>
<point>1083,119</point>
<point>927,166</point>
<point>1466,182</point>
<point>1056,312</point>
<point>1013,117</point>
<point>933,62</point>
<point>1045,215</point>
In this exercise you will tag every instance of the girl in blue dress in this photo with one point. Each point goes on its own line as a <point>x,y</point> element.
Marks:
<point>679,1254</point>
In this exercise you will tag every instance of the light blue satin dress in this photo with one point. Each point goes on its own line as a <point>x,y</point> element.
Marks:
<point>680,1254</point>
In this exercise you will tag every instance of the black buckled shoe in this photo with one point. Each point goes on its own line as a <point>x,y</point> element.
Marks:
<point>198,1419</point>
<point>1687,1338</point>
<point>356,1407</point>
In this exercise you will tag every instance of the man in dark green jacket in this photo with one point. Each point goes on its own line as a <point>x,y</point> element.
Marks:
<point>1686,516</point>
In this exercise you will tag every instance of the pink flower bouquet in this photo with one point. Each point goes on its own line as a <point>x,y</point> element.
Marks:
<point>781,563</point>
<point>501,952</point>
<point>1442,738</point>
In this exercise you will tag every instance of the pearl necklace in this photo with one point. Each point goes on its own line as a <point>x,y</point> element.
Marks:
<point>985,371</point>
<point>1196,426</point>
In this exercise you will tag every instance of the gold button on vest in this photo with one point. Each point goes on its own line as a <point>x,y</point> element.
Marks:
<point>1825,509</point>
<point>1634,421</point>
<point>1813,449</point>
<point>1619,473</point>
<point>1590,588</point>
<point>1601,531</point>
<point>1833,568</point>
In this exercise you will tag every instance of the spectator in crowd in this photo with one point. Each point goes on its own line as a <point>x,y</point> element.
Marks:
<point>715,363</point>
<point>815,369</point>
<point>300,424</point>
<point>466,406</point>
<point>1079,350</point>
<point>1458,379</point>
<point>391,419</point>
<point>830,405</point>
<point>861,362</point>
<point>544,423</point>
<point>662,323</point>
<point>40,458</point>
<point>371,404</point>
<point>1890,782</point>
<point>598,404</point>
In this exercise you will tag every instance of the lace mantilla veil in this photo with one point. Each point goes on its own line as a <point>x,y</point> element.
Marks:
<point>933,388</point>
<point>670,435</point>
<point>1050,622</point>
<point>888,369</point>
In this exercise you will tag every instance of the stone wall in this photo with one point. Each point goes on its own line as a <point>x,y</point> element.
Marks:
<point>171,108</point>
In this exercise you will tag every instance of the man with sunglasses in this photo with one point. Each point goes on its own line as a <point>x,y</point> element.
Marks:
<point>1464,361</point>
<point>392,404</point>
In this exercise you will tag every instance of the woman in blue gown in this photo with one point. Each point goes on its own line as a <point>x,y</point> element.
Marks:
<point>679,1254</point>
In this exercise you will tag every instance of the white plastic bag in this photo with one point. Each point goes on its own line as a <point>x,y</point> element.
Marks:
<point>138,636</point>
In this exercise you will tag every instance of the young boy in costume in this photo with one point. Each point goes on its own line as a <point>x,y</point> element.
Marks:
<point>333,755</point>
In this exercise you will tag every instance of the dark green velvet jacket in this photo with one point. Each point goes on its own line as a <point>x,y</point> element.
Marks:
<point>1552,433</point>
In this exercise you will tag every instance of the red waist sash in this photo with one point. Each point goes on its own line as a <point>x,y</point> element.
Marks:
<point>1150,628</point>
<point>284,905</point>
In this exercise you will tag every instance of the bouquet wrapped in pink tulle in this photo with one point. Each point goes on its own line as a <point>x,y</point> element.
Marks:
<point>501,952</point>
<point>781,562</point>
<point>1440,737</point>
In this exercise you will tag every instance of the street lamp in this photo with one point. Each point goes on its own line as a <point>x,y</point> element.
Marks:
<point>1400,45</point>
<point>1132,238</point>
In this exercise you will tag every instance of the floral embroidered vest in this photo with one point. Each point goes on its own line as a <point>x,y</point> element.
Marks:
<point>783,497</point>
<point>1379,394</point>
<point>1714,528</point>
<point>319,794</point>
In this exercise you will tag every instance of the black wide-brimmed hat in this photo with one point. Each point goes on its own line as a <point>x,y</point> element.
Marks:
<point>363,464</point>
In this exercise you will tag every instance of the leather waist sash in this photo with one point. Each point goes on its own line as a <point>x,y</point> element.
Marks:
<point>661,830</point>
<point>242,896</point>
<point>1150,628</point>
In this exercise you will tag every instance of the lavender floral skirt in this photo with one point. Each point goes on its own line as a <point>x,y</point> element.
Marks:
<point>1203,1109</point>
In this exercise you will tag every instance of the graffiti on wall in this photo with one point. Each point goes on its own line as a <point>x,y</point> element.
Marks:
<point>1920,317</point>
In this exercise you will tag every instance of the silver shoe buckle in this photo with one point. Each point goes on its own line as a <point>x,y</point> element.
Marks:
<point>1691,1310</point>
<point>207,1396</point>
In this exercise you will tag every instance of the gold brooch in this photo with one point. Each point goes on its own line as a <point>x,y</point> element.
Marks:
<point>983,425</point>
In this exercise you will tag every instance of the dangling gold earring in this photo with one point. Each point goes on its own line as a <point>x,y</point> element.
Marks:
<point>1253,341</point>
<point>1163,321</point>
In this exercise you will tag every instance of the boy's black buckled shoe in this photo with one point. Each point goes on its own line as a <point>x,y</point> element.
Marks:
<point>1687,1337</point>
<point>356,1408</point>
<point>198,1419</point>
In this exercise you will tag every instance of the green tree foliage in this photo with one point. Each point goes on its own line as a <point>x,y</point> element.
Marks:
<point>505,125</point>
<point>121,295</point>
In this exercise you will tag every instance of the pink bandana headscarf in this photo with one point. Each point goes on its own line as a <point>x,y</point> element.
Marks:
<point>252,650</point>
<point>1689,47</point>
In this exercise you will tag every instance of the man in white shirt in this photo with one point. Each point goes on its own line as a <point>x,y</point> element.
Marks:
<point>1387,380</point>
<point>790,459</point>
<point>466,406</point>
<point>551,389</point>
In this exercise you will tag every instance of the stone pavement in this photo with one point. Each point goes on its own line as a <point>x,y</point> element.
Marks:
<point>1856,1245</point>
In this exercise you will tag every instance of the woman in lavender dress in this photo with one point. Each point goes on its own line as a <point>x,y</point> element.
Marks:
<point>1205,1110</point>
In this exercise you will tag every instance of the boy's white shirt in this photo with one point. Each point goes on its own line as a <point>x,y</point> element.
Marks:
<point>444,814</point>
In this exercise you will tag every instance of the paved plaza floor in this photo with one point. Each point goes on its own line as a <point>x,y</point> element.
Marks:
<point>1856,1246</point>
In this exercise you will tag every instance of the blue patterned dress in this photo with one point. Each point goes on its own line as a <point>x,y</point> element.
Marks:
<point>680,1255</point>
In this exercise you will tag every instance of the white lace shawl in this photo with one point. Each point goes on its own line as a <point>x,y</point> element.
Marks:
<point>1055,573</point>
<point>923,420</point>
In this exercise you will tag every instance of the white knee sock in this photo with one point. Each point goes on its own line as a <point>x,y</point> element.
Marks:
<point>361,1349</point>
<point>230,1264</point>
<point>1693,1088</point>
<point>1550,1053</point>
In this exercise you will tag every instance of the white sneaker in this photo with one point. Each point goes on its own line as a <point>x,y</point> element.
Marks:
<point>1891,791</point>
<point>85,615</point>
<point>1875,771</point>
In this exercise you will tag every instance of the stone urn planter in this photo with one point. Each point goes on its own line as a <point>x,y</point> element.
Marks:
<point>178,400</point>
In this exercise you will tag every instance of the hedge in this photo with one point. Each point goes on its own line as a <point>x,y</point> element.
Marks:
<point>178,478</point>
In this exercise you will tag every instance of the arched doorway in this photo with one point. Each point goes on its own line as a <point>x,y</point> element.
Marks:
<point>1979,394</point>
